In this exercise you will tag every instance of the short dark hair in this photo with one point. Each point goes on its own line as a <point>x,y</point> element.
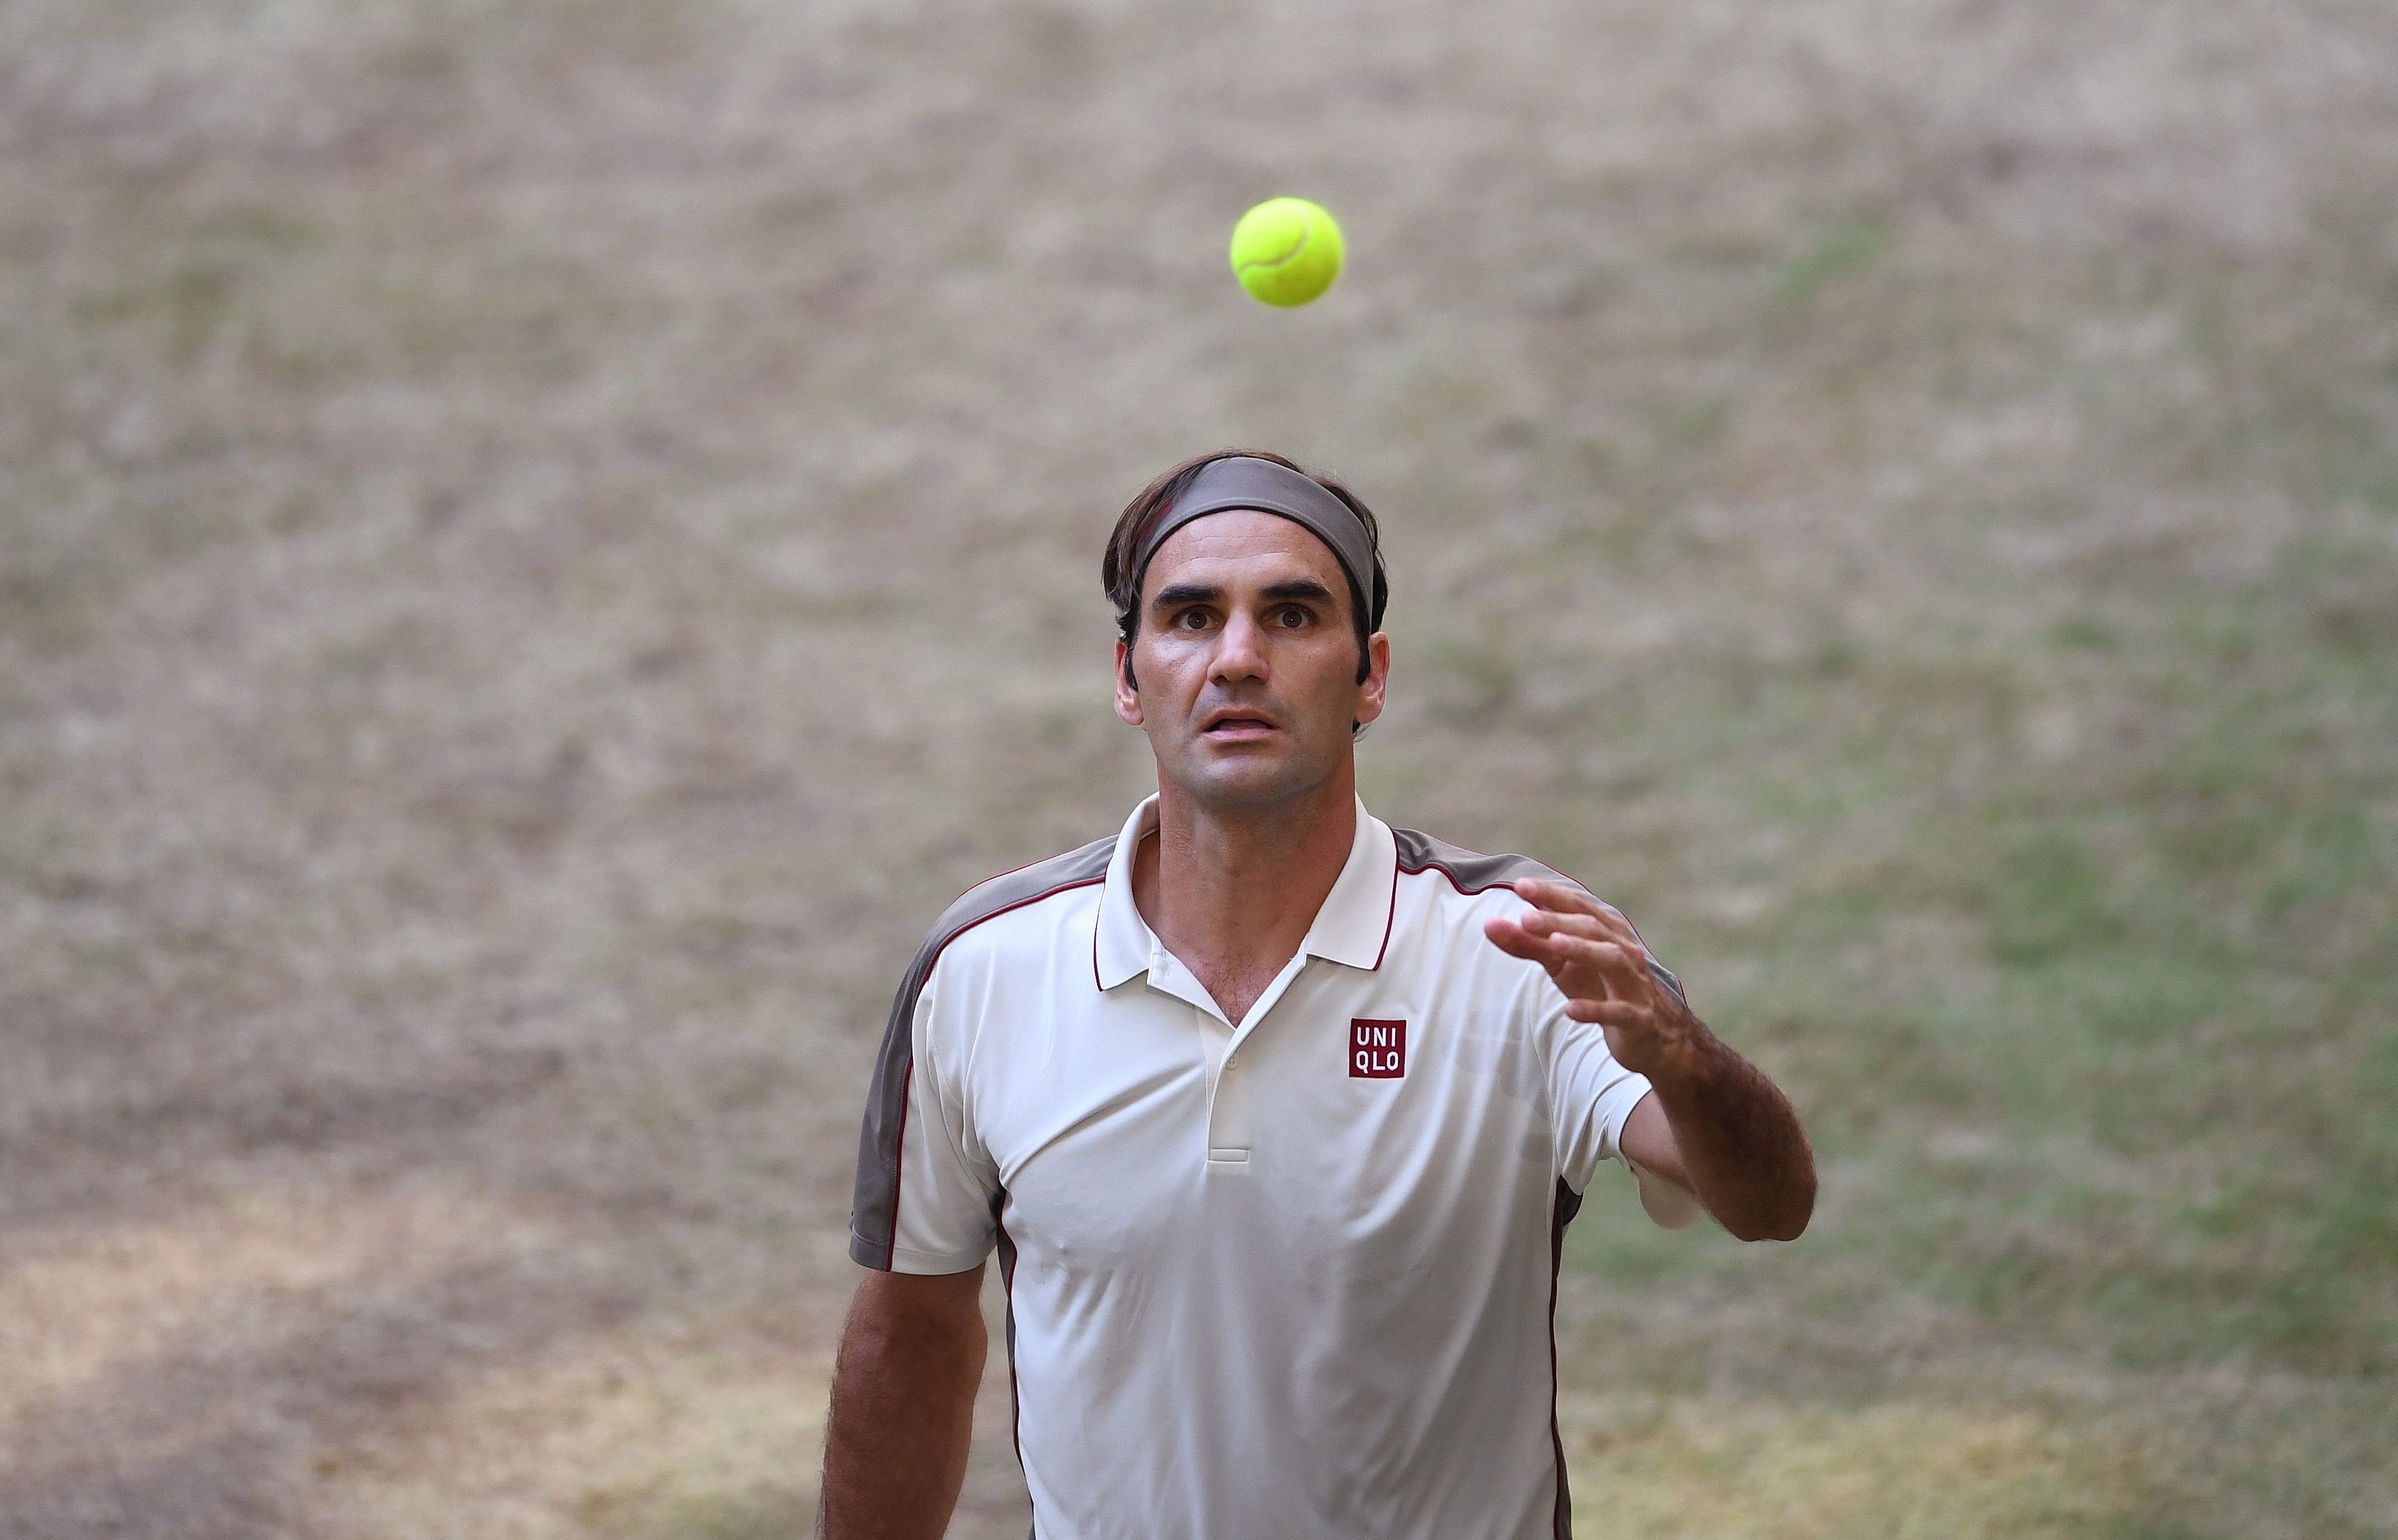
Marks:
<point>1122,579</point>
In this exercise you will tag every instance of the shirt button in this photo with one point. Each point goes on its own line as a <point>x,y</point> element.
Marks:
<point>1232,1064</point>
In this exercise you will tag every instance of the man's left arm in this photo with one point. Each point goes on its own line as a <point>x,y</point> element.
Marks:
<point>1714,1124</point>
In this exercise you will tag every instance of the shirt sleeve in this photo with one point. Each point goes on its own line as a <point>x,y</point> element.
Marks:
<point>1591,1098</point>
<point>932,1190</point>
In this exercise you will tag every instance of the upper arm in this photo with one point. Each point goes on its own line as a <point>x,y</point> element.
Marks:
<point>1649,1141</point>
<point>920,1306</point>
<point>901,1423</point>
<point>1650,1149</point>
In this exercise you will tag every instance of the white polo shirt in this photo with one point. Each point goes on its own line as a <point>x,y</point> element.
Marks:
<point>1290,1276</point>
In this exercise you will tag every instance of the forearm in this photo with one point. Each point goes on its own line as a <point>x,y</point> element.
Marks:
<point>1740,1144</point>
<point>902,1415</point>
<point>1732,1134</point>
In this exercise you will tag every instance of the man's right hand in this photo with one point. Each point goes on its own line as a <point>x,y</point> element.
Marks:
<point>903,1395</point>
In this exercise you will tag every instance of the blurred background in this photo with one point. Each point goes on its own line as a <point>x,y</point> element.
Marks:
<point>541,540</point>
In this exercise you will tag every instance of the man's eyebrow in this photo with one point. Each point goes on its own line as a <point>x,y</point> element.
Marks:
<point>1174,594</point>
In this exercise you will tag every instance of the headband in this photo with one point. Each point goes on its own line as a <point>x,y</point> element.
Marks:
<point>1245,481</point>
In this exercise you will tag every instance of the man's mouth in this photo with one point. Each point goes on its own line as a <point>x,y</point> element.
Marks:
<point>1237,724</point>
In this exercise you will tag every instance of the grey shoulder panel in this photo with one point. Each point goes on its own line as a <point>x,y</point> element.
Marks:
<point>874,1210</point>
<point>1469,871</point>
<point>1472,872</point>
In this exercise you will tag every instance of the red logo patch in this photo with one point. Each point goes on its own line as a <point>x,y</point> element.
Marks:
<point>1377,1050</point>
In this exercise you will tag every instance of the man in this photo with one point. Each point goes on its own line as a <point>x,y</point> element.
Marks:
<point>1276,1115</point>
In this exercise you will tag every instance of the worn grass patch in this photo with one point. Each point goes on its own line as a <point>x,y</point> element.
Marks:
<point>1745,1471</point>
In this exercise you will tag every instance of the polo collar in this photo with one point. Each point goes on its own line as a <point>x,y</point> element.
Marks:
<point>1353,928</point>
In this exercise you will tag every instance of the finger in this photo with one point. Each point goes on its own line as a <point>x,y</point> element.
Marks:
<point>1516,942</point>
<point>1626,975</point>
<point>1618,927</point>
<point>1563,898</point>
<point>1566,898</point>
<point>1608,927</point>
<point>1616,1014</point>
<point>1604,920</point>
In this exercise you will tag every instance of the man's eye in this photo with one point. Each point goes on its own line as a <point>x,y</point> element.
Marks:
<point>1190,620</point>
<point>1294,617</point>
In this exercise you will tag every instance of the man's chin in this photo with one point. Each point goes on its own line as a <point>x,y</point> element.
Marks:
<point>1239,776</point>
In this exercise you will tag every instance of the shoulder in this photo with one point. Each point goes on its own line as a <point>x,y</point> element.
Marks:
<point>1467,886</point>
<point>1469,874</point>
<point>1445,892</point>
<point>1033,895</point>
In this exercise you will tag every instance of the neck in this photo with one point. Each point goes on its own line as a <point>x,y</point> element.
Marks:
<point>1232,892</point>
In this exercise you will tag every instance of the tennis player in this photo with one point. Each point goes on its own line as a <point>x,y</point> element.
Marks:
<point>1273,1113</point>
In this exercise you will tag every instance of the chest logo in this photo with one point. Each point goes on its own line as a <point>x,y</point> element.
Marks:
<point>1377,1049</point>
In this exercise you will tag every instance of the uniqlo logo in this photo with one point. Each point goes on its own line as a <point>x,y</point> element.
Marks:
<point>1377,1050</point>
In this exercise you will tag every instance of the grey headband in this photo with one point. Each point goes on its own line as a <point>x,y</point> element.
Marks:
<point>1244,481</point>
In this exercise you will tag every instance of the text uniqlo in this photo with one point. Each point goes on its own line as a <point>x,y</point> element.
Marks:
<point>1377,1050</point>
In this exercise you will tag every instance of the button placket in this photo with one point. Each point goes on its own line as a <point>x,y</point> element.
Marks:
<point>1228,1101</point>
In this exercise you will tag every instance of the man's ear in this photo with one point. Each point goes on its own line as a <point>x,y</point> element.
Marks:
<point>1378,677</point>
<point>1127,695</point>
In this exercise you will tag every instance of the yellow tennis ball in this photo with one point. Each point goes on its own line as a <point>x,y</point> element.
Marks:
<point>1286,251</point>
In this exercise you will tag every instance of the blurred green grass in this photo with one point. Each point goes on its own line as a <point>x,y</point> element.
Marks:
<point>2084,972</point>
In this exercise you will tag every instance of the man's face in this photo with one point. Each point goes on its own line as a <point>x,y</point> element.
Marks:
<point>1246,658</point>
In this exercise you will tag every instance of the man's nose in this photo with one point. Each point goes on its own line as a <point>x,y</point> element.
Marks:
<point>1240,654</point>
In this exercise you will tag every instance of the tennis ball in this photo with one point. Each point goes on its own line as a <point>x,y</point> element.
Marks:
<point>1286,251</point>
